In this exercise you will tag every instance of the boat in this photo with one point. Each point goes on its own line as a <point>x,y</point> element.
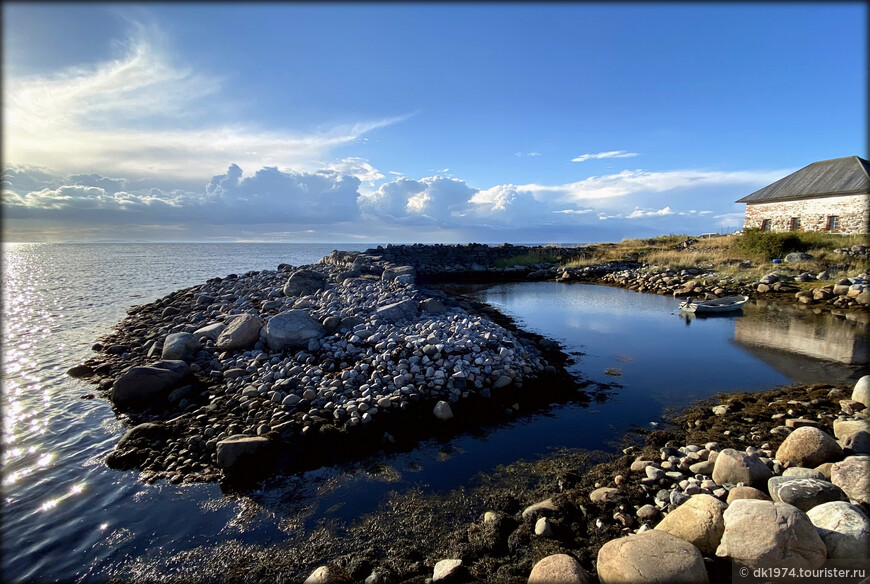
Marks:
<point>726,304</point>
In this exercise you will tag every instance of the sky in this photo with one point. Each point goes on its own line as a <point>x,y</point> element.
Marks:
<point>409,122</point>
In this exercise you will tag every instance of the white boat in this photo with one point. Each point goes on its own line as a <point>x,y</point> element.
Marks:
<point>726,304</point>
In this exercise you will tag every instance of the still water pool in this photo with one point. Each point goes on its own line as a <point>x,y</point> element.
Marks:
<point>67,517</point>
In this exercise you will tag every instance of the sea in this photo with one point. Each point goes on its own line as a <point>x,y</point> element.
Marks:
<point>66,517</point>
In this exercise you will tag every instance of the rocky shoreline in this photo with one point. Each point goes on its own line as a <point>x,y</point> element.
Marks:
<point>301,367</point>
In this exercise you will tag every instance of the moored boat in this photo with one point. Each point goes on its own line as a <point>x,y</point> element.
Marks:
<point>726,304</point>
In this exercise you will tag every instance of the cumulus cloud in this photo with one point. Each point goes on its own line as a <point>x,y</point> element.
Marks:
<point>435,199</point>
<point>600,155</point>
<point>123,117</point>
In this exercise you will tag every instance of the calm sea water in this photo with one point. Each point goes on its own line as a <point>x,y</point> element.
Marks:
<point>66,517</point>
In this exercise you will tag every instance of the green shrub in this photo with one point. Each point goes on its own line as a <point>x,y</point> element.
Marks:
<point>769,245</point>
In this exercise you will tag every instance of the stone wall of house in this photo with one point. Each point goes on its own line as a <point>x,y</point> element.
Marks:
<point>853,211</point>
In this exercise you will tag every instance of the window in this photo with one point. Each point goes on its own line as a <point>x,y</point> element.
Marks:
<point>794,224</point>
<point>833,222</point>
<point>765,225</point>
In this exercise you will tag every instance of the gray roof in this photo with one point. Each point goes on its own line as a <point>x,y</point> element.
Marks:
<point>838,176</point>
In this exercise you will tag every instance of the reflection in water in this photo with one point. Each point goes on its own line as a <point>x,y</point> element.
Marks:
<point>821,336</point>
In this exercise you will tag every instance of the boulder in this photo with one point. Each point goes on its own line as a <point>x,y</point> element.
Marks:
<point>767,534</point>
<point>304,282</point>
<point>558,569</point>
<point>734,466</point>
<point>182,346</point>
<point>698,521</point>
<point>745,492</point>
<point>653,556</point>
<point>240,454</point>
<point>843,428</point>
<point>398,311</point>
<point>857,443</point>
<point>853,476</point>
<point>148,430</point>
<point>139,385</point>
<point>797,256</point>
<point>292,329</point>
<point>861,392</point>
<point>210,332</point>
<point>808,447</point>
<point>401,273</point>
<point>240,333</point>
<point>442,411</point>
<point>844,529</point>
<point>804,493</point>
<point>545,507</point>
<point>80,370</point>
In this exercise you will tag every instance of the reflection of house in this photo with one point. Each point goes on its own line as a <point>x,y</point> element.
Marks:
<point>822,337</point>
<point>829,195</point>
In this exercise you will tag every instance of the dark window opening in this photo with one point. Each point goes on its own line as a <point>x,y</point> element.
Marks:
<point>795,223</point>
<point>833,222</point>
<point>765,225</point>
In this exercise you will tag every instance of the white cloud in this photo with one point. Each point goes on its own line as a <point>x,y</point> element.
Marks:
<point>599,155</point>
<point>123,117</point>
<point>358,167</point>
<point>527,154</point>
<point>641,213</point>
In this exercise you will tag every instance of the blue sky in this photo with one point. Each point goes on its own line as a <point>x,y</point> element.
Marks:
<point>416,122</point>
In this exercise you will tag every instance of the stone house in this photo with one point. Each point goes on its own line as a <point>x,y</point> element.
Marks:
<point>829,195</point>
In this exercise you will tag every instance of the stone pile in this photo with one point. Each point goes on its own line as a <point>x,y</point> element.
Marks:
<point>246,369</point>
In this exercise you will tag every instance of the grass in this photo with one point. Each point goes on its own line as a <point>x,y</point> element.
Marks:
<point>532,257</point>
<point>726,253</point>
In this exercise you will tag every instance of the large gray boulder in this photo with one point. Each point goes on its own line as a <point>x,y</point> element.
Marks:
<point>767,534</point>
<point>808,447</point>
<point>292,329</point>
<point>182,346</point>
<point>734,466</point>
<point>304,282</point>
<point>401,273</point>
<point>698,521</point>
<point>241,332</point>
<point>242,454</point>
<point>798,256</point>
<point>804,493</point>
<point>844,528</point>
<point>404,310</point>
<point>650,557</point>
<point>139,385</point>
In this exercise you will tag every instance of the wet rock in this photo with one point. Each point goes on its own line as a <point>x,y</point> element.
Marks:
<point>767,534</point>
<point>242,454</point>
<point>733,466</point>
<point>432,306</point>
<point>292,329</point>
<point>803,493</point>
<point>650,557</point>
<point>844,528</point>
<point>147,430</point>
<point>698,521</point>
<point>442,411</point>
<point>80,371</point>
<point>744,492</point>
<point>558,569</point>
<point>853,476</point>
<point>808,447</point>
<point>242,332</point>
<point>139,385</point>
<point>180,346</point>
